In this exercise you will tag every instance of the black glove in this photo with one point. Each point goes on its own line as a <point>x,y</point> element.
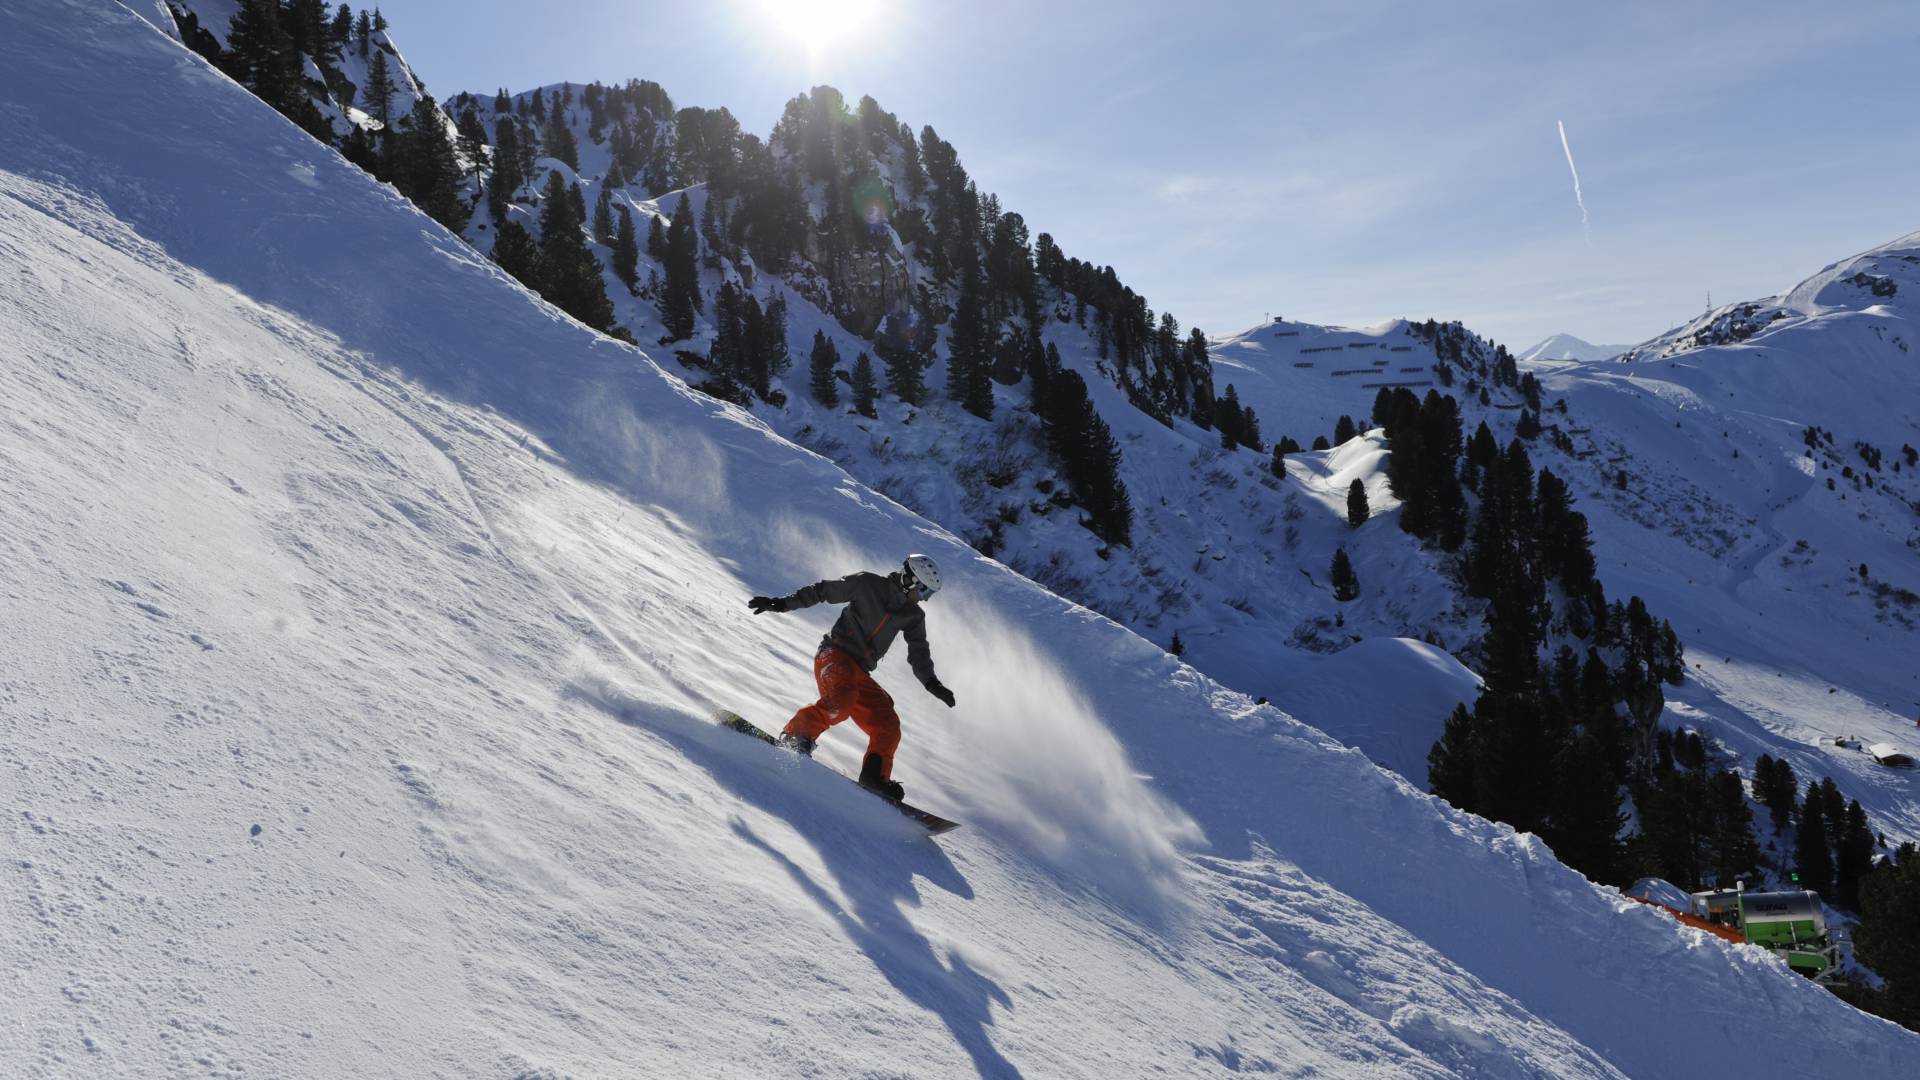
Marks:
<point>763,604</point>
<point>939,690</point>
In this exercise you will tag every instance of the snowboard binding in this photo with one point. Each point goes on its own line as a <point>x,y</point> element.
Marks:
<point>871,779</point>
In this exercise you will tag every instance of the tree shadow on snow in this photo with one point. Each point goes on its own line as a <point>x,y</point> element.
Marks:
<point>873,854</point>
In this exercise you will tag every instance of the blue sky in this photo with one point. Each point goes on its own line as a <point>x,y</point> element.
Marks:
<point>1332,162</point>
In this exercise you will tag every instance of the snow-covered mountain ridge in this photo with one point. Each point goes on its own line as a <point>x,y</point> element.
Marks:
<point>318,551</point>
<point>1744,470</point>
<point>1568,347</point>
<point>1866,285</point>
<point>1224,554</point>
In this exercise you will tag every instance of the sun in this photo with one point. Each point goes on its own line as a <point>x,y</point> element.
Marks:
<point>819,25</point>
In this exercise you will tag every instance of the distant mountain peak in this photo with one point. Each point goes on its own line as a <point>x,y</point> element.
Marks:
<point>1568,347</point>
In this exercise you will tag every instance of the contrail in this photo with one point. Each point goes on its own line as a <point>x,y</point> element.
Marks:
<point>1585,226</point>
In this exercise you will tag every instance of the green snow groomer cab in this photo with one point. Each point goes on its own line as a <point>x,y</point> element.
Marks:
<point>1789,923</point>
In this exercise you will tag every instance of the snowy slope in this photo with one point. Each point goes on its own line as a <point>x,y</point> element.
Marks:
<point>1728,521</point>
<point>1568,347</point>
<point>433,586</point>
<point>1232,559</point>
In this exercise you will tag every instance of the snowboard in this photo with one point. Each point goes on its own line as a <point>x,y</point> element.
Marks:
<point>934,823</point>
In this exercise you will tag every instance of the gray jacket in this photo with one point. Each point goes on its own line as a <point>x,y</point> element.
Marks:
<point>877,610</point>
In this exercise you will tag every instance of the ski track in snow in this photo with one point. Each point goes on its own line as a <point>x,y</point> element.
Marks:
<point>362,631</point>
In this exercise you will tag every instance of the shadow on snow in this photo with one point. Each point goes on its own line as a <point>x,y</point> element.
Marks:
<point>872,855</point>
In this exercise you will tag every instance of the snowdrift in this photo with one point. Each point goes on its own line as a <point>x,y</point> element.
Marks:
<point>363,614</point>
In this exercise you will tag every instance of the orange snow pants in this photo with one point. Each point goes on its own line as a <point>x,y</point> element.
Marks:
<point>846,690</point>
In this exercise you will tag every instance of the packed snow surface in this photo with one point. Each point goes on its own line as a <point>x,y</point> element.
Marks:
<point>364,616</point>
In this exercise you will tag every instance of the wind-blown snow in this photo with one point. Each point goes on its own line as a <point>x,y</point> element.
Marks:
<point>363,613</point>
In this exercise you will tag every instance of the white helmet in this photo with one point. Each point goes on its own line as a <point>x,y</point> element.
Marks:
<point>926,572</point>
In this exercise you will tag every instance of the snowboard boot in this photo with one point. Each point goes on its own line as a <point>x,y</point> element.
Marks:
<point>799,744</point>
<point>871,780</point>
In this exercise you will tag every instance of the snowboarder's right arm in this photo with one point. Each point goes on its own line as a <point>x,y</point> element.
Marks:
<point>831,591</point>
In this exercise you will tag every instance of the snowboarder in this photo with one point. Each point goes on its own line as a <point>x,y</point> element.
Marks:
<point>879,607</point>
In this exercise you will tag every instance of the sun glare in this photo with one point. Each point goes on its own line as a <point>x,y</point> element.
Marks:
<point>819,25</point>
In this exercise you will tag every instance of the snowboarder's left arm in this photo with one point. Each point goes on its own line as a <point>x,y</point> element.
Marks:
<point>920,658</point>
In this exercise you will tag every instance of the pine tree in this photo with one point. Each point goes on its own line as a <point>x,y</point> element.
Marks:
<point>865,390</point>
<point>1812,859</point>
<point>1343,430</point>
<point>1530,389</point>
<point>709,227</point>
<point>678,300</point>
<point>517,254</point>
<point>569,274</point>
<point>1884,940</point>
<point>969,356</point>
<point>1585,816</point>
<point>1777,789</point>
<point>656,239</point>
<point>1346,585</point>
<point>576,205</point>
<point>1853,859</point>
<point>1732,852</point>
<point>307,22</point>
<point>1674,827</point>
<point>626,250</point>
<point>425,167</point>
<point>753,347</point>
<point>1105,496</point>
<point>726,358</point>
<point>1382,413</point>
<point>1833,811</point>
<point>357,148</point>
<point>825,359</point>
<point>1089,457</point>
<point>603,218</point>
<point>1250,431</point>
<point>904,350</point>
<point>774,358</point>
<point>1528,426</point>
<point>1689,752</point>
<point>1408,473</point>
<point>557,142</point>
<point>1230,418</point>
<point>1279,461</point>
<point>377,95</point>
<point>1450,761</point>
<point>262,57</point>
<point>1357,509</point>
<point>472,138</point>
<point>1320,443</point>
<point>529,151</point>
